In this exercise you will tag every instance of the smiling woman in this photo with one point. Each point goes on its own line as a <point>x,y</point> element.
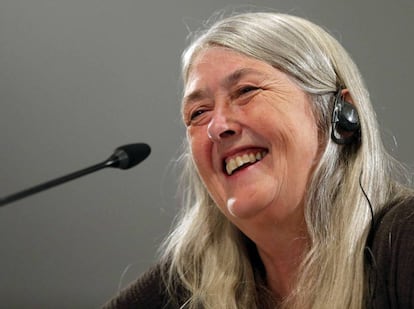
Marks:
<point>231,124</point>
<point>291,200</point>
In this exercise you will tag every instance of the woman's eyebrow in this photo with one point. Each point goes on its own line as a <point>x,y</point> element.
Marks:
<point>194,96</point>
<point>237,75</point>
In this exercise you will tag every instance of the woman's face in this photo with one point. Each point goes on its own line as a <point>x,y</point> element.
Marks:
<point>252,133</point>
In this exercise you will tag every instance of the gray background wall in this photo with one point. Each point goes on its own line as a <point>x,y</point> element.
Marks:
<point>79,78</point>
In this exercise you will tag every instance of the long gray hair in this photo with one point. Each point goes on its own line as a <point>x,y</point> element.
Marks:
<point>209,256</point>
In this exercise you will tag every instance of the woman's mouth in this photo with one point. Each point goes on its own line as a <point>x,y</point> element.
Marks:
<point>240,161</point>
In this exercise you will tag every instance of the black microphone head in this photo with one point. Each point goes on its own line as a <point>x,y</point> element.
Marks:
<point>128,156</point>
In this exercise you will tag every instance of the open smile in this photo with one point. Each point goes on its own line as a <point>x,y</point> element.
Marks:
<point>242,160</point>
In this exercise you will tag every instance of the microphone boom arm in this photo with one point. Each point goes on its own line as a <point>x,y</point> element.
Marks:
<point>52,183</point>
<point>124,157</point>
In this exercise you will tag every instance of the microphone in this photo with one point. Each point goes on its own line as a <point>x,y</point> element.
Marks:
<point>124,157</point>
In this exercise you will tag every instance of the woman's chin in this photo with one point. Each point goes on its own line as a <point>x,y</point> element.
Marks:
<point>244,208</point>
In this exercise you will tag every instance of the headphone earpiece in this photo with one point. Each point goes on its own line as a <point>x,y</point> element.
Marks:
<point>345,121</point>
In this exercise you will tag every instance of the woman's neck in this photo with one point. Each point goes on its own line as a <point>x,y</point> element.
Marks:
<point>281,241</point>
<point>281,264</point>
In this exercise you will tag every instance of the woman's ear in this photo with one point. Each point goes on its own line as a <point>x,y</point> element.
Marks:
<point>346,96</point>
<point>345,119</point>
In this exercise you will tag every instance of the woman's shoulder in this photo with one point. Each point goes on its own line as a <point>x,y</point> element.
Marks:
<point>393,256</point>
<point>148,291</point>
<point>393,229</point>
<point>396,220</point>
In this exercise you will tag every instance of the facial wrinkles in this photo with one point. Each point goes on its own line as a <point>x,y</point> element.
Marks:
<point>308,158</point>
<point>269,98</point>
<point>279,132</point>
<point>281,100</point>
<point>290,129</point>
<point>204,86</point>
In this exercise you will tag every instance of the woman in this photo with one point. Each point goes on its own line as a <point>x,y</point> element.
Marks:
<point>291,200</point>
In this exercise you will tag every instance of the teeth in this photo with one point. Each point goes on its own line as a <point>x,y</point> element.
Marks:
<point>238,161</point>
<point>231,166</point>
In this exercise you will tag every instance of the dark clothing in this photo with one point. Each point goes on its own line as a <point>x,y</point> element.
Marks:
<point>148,292</point>
<point>391,272</point>
<point>390,268</point>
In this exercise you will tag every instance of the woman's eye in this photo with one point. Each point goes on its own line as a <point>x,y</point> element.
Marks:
<point>195,117</point>
<point>246,89</point>
<point>196,113</point>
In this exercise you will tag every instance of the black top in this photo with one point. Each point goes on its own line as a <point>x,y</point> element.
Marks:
<point>390,268</point>
<point>148,292</point>
<point>391,272</point>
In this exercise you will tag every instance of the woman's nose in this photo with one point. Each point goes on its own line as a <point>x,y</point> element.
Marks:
<point>222,125</point>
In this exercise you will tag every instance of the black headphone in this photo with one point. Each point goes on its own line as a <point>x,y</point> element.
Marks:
<point>345,121</point>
